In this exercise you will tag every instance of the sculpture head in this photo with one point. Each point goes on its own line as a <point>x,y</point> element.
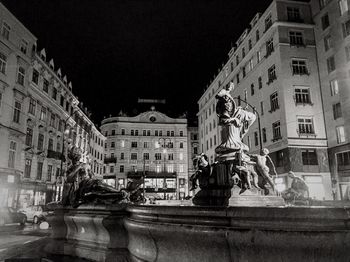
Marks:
<point>265,151</point>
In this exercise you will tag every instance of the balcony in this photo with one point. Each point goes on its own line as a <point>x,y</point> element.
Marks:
<point>55,155</point>
<point>109,160</point>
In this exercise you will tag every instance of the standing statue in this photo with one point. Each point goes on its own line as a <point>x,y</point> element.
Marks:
<point>261,165</point>
<point>232,119</point>
<point>82,187</point>
<point>233,163</point>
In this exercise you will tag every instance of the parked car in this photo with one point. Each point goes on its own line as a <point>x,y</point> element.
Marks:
<point>9,215</point>
<point>36,214</point>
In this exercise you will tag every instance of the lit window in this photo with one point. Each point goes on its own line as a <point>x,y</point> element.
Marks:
<point>343,6</point>
<point>340,134</point>
<point>181,156</point>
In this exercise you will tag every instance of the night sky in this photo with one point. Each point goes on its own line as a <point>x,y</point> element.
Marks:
<point>115,51</point>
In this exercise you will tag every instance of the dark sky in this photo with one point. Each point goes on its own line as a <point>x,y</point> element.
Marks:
<point>115,51</point>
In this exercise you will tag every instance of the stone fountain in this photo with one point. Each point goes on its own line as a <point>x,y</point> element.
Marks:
<point>101,224</point>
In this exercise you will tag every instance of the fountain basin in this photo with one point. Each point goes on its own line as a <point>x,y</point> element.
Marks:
<point>192,233</point>
<point>93,232</point>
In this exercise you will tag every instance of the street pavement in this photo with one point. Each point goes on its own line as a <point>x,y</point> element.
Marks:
<point>27,241</point>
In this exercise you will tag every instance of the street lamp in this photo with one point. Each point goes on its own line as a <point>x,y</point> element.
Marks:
<point>256,112</point>
<point>165,143</point>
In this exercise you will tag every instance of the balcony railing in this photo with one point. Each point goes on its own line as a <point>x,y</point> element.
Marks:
<point>109,160</point>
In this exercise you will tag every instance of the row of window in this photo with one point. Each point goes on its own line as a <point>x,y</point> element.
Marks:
<point>158,168</point>
<point>5,33</point>
<point>96,153</point>
<point>135,144</point>
<point>157,156</point>
<point>64,103</point>
<point>29,141</point>
<point>298,66</point>
<point>39,173</point>
<point>135,132</point>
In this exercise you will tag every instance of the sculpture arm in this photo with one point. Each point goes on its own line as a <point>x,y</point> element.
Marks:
<point>273,166</point>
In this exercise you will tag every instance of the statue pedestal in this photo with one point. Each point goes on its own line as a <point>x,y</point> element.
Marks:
<point>215,189</point>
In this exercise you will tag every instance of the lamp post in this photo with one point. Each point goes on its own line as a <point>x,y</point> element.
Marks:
<point>258,115</point>
<point>164,142</point>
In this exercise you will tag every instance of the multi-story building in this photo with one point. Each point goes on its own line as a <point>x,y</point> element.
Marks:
<point>274,68</point>
<point>152,146</point>
<point>16,45</point>
<point>39,118</point>
<point>97,142</point>
<point>193,149</point>
<point>332,30</point>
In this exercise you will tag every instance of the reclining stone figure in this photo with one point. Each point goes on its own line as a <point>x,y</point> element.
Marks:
<point>82,187</point>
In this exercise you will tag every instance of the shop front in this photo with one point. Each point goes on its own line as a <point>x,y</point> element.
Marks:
<point>33,193</point>
<point>9,187</point>
<point>158,185</point>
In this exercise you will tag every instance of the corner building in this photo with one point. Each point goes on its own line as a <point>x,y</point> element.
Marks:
<point>150,144</point>
<point>332,32</point>
<point>274,68</point>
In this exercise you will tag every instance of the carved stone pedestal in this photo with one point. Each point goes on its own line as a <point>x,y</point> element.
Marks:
<point>215,189</point>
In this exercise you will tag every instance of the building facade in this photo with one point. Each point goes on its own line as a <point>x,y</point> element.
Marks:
<point>274,68</point>
<point>150,146</point>
<point>97,142</point>
<point>40,118</point>
<point>193,150</point>
<point>332,30</point>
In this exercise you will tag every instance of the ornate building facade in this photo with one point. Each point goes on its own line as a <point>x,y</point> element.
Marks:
<point>40,117</point>
<point>149,146</point>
